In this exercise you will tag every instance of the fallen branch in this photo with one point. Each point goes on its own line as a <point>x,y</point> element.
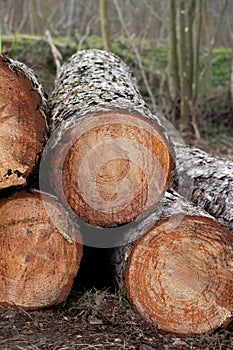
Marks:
<point>55,52</point>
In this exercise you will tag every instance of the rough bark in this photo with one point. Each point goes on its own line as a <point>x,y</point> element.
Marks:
<point>110,158</point>
<point>40,251</point>
<point>178,273</point>
<point>22,122</point>
<point>207,181</point>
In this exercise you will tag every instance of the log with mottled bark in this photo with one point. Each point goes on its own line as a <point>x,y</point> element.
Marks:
<point>111,160</point>
<point>40,251</point>
<point>207,181</point>
<point>22,121</point>
<point>178,271</point>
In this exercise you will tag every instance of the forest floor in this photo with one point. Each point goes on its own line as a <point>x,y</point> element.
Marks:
<point>95,320</point>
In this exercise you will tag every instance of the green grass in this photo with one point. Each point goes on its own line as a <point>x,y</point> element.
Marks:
<point>161,57</point>
<point>154,56</point>
<point>221,67</point>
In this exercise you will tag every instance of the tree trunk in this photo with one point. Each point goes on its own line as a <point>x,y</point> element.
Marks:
<point>212,30</point>
<point>22,122</point>
<point>207,181</point>
<point>184,71</point>
<point>105,25</point>
<point>196,58</point>
<point>39,251</point>
<point>178,273</point>
<point>110,158</point>
<point>197,27</point>
<point>190,46</point>
<point>231,79</point>
<point>173,78</point>
<point>132,41</point>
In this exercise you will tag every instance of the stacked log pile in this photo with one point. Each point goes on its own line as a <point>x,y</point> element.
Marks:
<point>110,163</point>
<point>40,251</point>
<point>177,263</point>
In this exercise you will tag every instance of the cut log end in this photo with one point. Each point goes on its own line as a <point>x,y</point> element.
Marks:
<point>22,122</point>
<point>181,279</point>
<point>38,264</point>
<point>116,166</point>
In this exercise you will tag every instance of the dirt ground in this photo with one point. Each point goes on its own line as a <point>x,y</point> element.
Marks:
<point>95,320</point>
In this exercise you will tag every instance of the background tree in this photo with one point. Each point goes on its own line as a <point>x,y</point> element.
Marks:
<point>184,67</point>
<point>105,28</point>
<point>173,71</point>
<point>170,46</point>
<point>186,24</point>
<point>183,73</point>
<point>212,32</point>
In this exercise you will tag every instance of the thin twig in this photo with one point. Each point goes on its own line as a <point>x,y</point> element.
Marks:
<point>136,52</point>
<point>55,52</point>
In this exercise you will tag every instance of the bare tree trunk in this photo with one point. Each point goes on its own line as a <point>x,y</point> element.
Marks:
<point>231,81</point>
<point>194,38</point>
<point>173,78</point>
<point>190,43</point>
<point>9,17</point>
<point>24,16</point>
<point>36,19</point>
<point>184,74</point>
<point>70,22</point>
<point>212,38</point>
<point>198,30</point>
<point>105,28</point>
<point>39,251</point>
<point>109,154</point>
<point>136,52</point>
<point>178,269</point>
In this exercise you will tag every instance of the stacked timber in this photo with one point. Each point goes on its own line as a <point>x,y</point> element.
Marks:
<point>177,268</point>
<point>111,160</point>
<point>40,249</point>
